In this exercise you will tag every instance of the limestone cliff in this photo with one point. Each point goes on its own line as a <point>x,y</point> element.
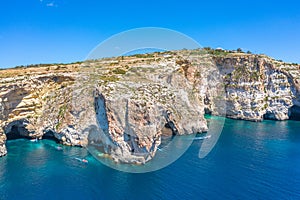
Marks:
<point>121,106</point>
<point>34,103</point>
<point>258,87</point>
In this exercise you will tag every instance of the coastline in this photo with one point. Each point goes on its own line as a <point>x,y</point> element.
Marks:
<point>38,101</point>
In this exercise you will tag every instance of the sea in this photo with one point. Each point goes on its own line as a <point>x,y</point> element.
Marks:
<point>250,160</point>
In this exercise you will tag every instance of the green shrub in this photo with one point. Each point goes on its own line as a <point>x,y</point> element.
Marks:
<point>239,50</point>
<point>119,71</point>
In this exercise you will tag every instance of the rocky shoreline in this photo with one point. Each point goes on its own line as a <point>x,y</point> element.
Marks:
<point>126,103</point>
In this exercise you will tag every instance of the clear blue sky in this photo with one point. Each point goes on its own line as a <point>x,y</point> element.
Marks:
<point>47,31</point>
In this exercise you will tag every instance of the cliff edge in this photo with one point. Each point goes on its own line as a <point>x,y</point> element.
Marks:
<point>122,106</point>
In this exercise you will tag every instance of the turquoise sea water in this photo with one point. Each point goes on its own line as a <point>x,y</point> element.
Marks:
<point>250,161</point>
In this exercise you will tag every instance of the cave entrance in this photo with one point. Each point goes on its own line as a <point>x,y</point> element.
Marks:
<point>269,116</point>
<point>49,135</point>
<point>14,133</point>
<point>295,113</point>
<point>17,130</point>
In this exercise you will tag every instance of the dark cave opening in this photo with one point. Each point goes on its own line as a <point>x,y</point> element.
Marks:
<point>207,111</point>
<point>295,113</point>
<point>16,130</point>
<point>269,116</point>
<point>49,135</point>
<point>14,133</point>
<point>170,125</point>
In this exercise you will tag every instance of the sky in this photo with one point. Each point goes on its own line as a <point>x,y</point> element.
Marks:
<point>63,31</point>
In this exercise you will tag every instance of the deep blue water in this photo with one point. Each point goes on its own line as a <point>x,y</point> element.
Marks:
<point>250,161</point>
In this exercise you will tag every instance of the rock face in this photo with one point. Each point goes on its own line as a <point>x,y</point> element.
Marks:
<point>141,103</point>
<point>258,87</point>
<point>122,106</point>
<point>3,150</point>
<point>34,103</point>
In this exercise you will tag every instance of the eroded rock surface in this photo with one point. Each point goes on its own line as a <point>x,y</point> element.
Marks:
<point>258,87</point>
<point>121,106</point>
